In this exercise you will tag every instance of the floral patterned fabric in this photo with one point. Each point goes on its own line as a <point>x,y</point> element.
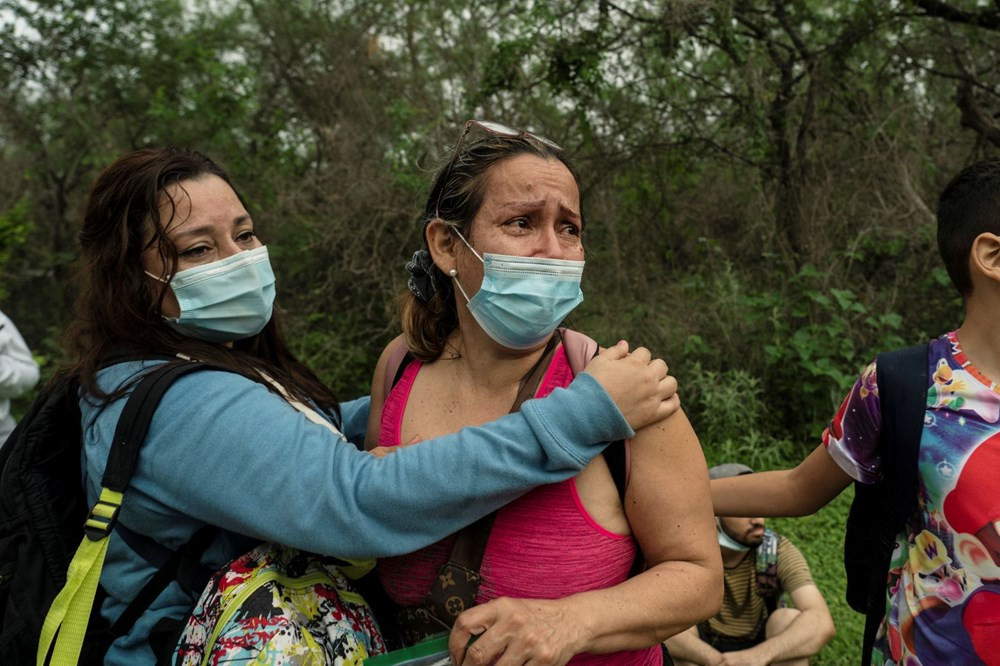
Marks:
<point>943,590</point>
<point>277,605</point>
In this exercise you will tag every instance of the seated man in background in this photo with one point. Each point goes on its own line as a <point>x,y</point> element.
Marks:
<point>759,566</point>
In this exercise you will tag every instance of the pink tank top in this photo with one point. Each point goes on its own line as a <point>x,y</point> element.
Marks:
<point>543,545</point>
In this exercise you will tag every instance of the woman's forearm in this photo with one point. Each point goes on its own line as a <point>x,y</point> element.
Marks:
<point>649,608</point>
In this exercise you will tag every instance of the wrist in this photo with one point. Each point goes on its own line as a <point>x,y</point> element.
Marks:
<point>712,656</point>
<point>764,652</point>
<point>584,635</point>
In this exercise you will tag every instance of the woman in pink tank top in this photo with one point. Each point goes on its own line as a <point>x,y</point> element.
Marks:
<point>558,577</point>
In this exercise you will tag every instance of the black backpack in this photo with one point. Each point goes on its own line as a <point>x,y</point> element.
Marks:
<point>44,516</point>
<point>879,511</point>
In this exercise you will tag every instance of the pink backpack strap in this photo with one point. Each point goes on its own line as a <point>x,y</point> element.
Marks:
<point>396,357</point>
<point>579,349</point>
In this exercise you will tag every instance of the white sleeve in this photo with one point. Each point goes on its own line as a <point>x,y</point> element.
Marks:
<point>18,370</point>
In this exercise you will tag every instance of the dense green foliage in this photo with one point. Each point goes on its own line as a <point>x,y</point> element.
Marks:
<point>759,176</point>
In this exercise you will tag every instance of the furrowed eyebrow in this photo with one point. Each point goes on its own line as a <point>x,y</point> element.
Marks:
<point>522,205</point>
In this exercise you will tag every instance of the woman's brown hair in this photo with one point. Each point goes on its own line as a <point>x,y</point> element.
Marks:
<point>117,309</point>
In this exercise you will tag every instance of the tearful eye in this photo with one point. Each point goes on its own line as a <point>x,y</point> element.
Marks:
<point>195,251</point>
<point>518,223</point>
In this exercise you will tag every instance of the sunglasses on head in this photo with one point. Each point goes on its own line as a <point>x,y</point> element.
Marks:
<point>495,129</point>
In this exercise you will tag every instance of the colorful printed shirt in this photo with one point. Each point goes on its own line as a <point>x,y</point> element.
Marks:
<point>943,590</point>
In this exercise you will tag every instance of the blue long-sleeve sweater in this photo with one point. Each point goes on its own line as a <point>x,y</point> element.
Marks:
<point>224,450</point>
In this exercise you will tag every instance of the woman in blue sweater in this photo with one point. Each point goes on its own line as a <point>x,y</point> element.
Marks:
<point>172,265</point>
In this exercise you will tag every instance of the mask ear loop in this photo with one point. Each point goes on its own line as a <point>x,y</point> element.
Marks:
<point>454,273</point>
<point>727,541</point>
<point>157,277</point>
<point>167,281</point>
<point>455,229</point>
<point>454,276</point>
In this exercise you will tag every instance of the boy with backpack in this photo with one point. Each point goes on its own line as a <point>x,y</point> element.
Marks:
<point>922,551</point>
<point>759,567</point>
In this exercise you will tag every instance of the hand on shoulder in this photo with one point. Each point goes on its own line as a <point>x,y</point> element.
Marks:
<point>639,384</point>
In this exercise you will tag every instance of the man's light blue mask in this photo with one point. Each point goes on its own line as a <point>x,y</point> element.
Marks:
<point>729,542</point>
<point>523,299</point>
<point>226,300</point>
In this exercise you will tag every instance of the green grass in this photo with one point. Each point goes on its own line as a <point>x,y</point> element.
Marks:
<point>820,537</point>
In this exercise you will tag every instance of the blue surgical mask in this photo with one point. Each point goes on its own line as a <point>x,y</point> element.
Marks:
<point>226,300</point>
<point>523,299</point>
<point>729,542</point>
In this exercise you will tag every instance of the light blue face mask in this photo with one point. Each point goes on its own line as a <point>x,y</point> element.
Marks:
<point>523,299</point>
<point>729,542</point>
<point>226,300</point>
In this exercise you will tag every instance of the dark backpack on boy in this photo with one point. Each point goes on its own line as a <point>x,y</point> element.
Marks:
<point>46,524</point>
<point>880,510</point>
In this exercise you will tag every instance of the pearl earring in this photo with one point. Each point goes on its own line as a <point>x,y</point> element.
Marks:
<point>453,272</point>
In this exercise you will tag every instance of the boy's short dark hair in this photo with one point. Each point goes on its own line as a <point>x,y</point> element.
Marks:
<point>969,206</point>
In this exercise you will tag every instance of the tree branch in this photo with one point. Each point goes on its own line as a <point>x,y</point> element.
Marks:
<point>989,20</point>
<point>974,118</point>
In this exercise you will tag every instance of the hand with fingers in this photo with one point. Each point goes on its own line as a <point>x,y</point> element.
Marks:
<point>506,631</point>
<point>639,384</point>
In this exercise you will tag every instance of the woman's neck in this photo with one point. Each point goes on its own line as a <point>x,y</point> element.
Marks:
<point>480,361</point>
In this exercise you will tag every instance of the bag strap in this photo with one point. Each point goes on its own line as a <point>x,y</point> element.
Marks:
<point>65,625</point>
<point>902,381</point>
<point>580,349</point>
<point>399,358</point>
<point>183,565</point>
<point>766,569</point>
<point>456,584</point>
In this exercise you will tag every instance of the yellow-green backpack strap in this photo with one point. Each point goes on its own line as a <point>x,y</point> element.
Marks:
<point>355,569</point>
<point>65,626</point>
<point>67,619</point>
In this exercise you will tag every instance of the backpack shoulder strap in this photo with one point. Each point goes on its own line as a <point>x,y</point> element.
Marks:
<point>580,349</point>
<point>133,424</point>
<point>901,376</point>
<point>399,358</point>
<point>766,569</point>
<point>70,612</point>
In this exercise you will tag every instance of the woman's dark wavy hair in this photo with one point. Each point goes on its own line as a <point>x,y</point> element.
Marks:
<point>456,197</point>
<point>117,308</point>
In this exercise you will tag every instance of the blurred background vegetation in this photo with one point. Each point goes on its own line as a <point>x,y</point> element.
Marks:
<point>759,176</point>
